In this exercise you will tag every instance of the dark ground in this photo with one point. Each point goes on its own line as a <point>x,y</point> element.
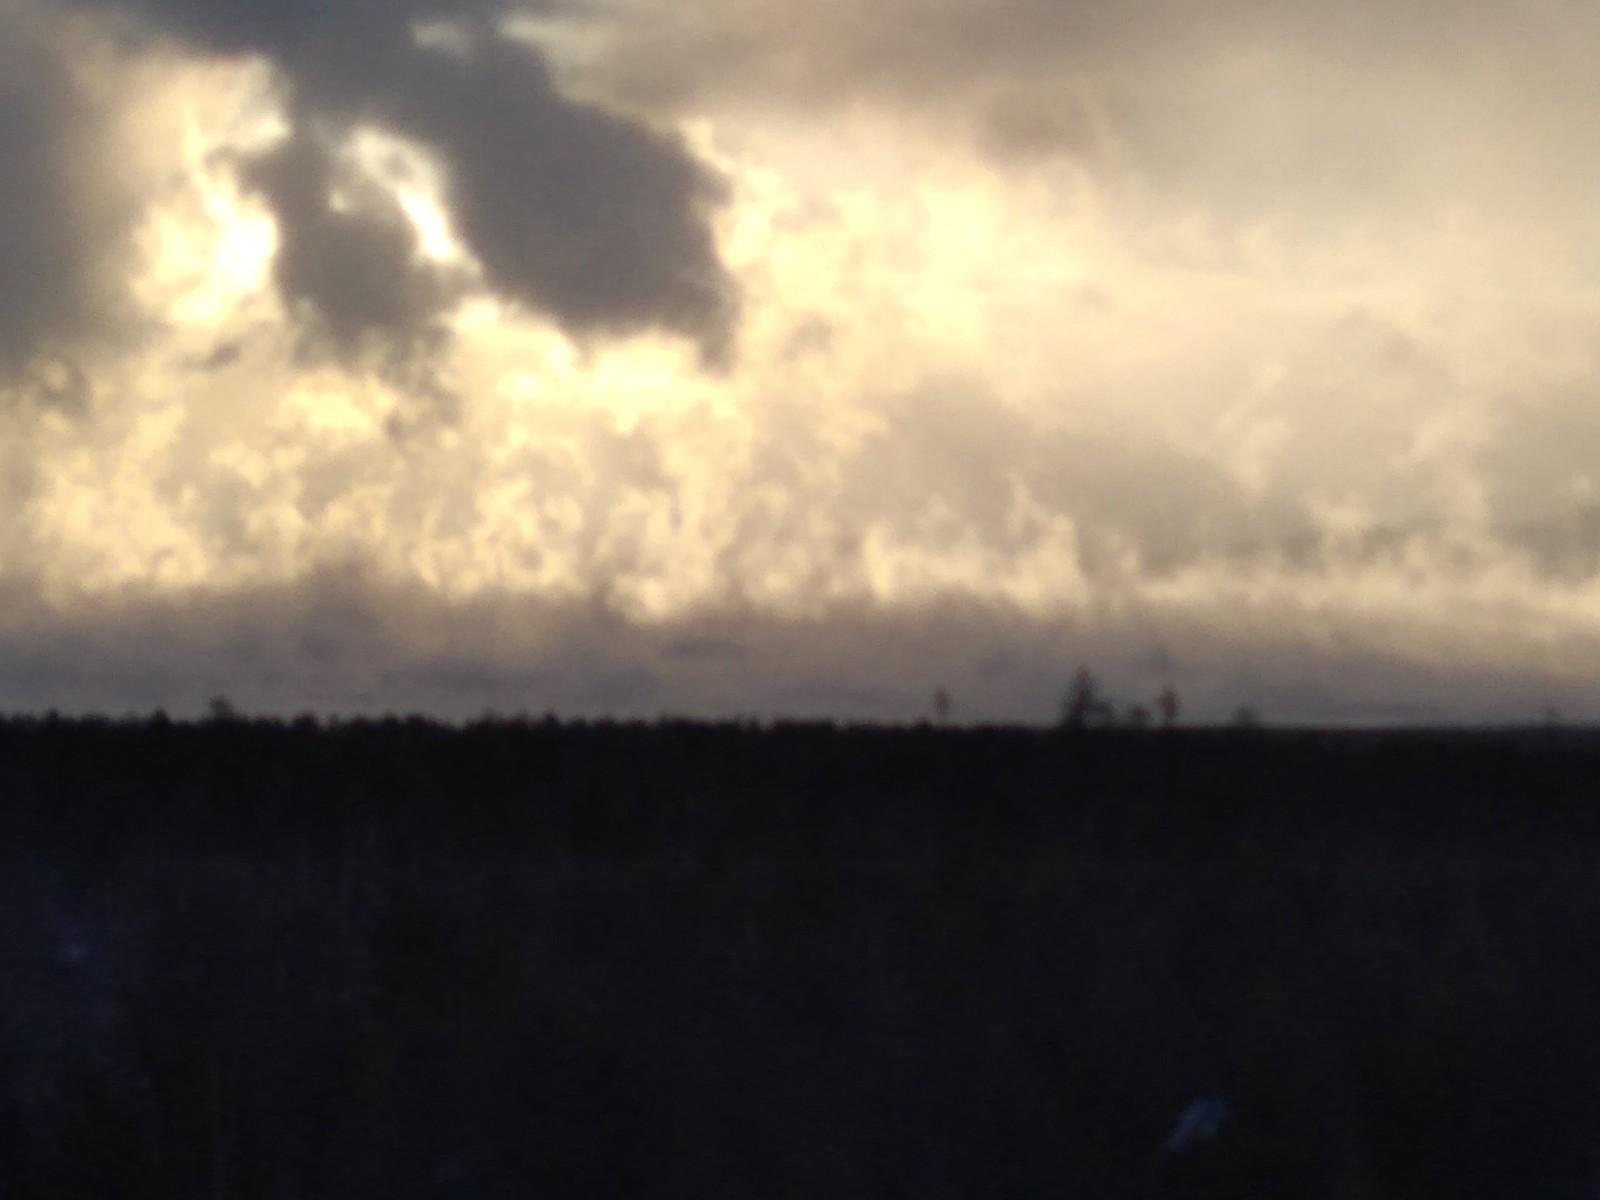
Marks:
<point>391,959</point>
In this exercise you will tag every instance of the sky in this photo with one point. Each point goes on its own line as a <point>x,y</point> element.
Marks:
<point>754,358</point>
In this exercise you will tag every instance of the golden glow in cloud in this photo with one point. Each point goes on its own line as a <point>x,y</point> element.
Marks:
<point>951,379</point>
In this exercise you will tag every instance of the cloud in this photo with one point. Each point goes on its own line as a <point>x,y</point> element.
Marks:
<point>1541,482</point>
<point>355,266</point>
<point>1261,333</point>
<point>590,217</point>
<point>578,212</point>
<point>956,462</point>
<point>1244,109</point>
<point>64,214</point>
<point>345,641</point>
<point>1540,460</point>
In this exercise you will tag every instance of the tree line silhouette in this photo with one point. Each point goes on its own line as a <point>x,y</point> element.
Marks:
<point>266,958</point>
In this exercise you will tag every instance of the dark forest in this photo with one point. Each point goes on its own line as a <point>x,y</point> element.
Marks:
<point>281,960</point>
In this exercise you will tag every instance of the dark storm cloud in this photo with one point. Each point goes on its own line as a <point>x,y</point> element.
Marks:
<point>355,267</point>
<point>587,215</point>
<point>60,217</point>
<point>42,290</point>
<point>596,219</point>
<point>300,30</point>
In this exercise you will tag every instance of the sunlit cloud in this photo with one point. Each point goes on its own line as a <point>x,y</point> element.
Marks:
<point>1033,355</point>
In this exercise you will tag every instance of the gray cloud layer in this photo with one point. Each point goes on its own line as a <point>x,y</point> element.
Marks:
<point>1242,108</point>
<point>342,642</point>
